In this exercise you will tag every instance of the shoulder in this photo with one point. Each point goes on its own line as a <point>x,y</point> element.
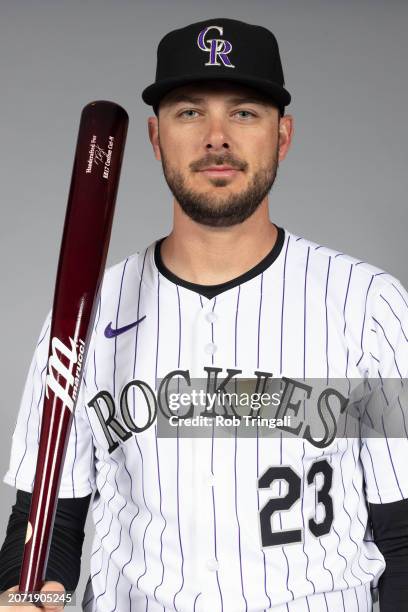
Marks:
<point>126,273</point>
<point>323,256</point>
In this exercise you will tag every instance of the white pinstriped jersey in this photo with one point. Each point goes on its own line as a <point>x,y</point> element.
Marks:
<point>177,520</point>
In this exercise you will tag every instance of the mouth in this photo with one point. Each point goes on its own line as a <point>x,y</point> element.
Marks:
<point>217,171</point>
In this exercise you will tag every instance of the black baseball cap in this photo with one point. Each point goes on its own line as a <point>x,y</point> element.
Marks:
<point>219,49</point>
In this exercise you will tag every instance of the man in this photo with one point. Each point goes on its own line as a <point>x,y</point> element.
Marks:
<point>226,522</point>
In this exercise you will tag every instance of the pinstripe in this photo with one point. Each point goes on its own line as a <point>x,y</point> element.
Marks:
<point>257,436</point>
<point>353,483</point>
<point>367,449</point>
<point>132,541</point>
<point>41,399</point>
<point>389,344</point>
<point>324,559</point>
<point>342,599</point>
<point>117,324</point>
<point>116,591</point>
<point>338,545</point>
<point>42,338</point>
<point>212,472</point>
<point>130,525</point>
<point>258,344</point>
<point>400,294</point>
<point>304,416</point>
<point>195,601</point>
<point>358,604</point>
<point>395,315</point>
<point>305,313</point>
<point>105,534</point>
<point>364,318</point>
<point>114,550</point>
<point>98,314</point>
<point>257,494</point>
<point>149,511</point>
<point>236,327</point>
<point>281,370</point>
<point>345,509</point>
<point>327,321</point>
<point>403,417</point>
<point>345,341</point>
<point>138,317</point>
<point>390,457</point>
<point>165,522</point>
<point>327,380</point>
<point>235,457</point>
<point>75,453</point>
<point>280,520</point>
<point>283,305</point>
<point>303,518</point>
<point>178,461</point>
<point>157,448</point>
<point>26,433</point>
<point>238,525</point>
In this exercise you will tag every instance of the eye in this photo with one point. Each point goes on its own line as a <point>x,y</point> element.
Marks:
<point>247,113</point>
<point>188,113</point>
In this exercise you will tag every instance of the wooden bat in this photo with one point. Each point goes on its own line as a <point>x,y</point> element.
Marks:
<point>82,259</point>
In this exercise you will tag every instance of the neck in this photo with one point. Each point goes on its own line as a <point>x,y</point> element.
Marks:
<point>212,255</point>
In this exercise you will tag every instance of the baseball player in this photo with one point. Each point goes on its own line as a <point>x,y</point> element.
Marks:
<point>209,522</point>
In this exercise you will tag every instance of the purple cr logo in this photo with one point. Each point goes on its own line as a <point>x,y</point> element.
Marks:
<point>216,47</point>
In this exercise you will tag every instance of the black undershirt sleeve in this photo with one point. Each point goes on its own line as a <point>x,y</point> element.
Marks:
<point>64,560</point>
<point>390,531</point>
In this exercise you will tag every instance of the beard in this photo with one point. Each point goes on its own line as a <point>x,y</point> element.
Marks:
<point>220,211</point>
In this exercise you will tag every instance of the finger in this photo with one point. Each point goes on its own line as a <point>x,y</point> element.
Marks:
<point>52,586</point>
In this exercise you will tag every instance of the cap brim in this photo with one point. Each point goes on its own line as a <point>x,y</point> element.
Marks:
<point>155,92</point>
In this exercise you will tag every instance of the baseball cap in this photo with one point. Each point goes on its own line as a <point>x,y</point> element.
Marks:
<point>223,49</point>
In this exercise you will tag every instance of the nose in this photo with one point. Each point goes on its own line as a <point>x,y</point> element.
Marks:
<point>216,138</point>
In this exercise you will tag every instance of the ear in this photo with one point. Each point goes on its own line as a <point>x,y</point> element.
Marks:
<point>153,128</point>
<point>285,135</point>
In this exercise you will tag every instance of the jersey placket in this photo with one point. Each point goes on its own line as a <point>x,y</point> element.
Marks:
<point>204,469</point>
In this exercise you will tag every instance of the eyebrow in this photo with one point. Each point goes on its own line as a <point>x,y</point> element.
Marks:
<point>175,99</point>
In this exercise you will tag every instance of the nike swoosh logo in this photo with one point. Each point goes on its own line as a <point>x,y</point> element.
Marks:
<point>112,333</point>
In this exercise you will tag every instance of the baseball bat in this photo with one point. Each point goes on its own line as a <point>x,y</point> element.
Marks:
<point>82,259</point>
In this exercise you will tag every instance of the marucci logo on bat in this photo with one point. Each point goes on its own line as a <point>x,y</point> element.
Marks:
<point>57,369</point>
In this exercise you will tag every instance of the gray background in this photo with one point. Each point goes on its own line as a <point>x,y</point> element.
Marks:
<point>343,184</point>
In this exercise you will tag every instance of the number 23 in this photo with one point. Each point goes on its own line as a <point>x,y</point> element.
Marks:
<point>278,504</point>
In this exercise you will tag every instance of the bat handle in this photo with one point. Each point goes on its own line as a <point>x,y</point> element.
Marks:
<point>55,428</point>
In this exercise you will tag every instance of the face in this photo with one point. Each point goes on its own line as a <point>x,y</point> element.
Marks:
<point>220,145</point>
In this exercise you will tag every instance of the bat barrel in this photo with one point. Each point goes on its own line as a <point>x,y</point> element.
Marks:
<point>85,241</point>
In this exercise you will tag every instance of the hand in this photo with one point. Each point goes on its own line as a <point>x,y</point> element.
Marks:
<point>46,607</point>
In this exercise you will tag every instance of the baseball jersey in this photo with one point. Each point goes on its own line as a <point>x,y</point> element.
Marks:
<point>228,524</point>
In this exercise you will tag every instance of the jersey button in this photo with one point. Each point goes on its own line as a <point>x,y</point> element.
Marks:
<point>210,348</point>
<point>212,565</point>
<point>211,317</point>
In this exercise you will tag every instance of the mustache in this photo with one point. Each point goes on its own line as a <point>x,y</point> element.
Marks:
<point>218,160</point>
